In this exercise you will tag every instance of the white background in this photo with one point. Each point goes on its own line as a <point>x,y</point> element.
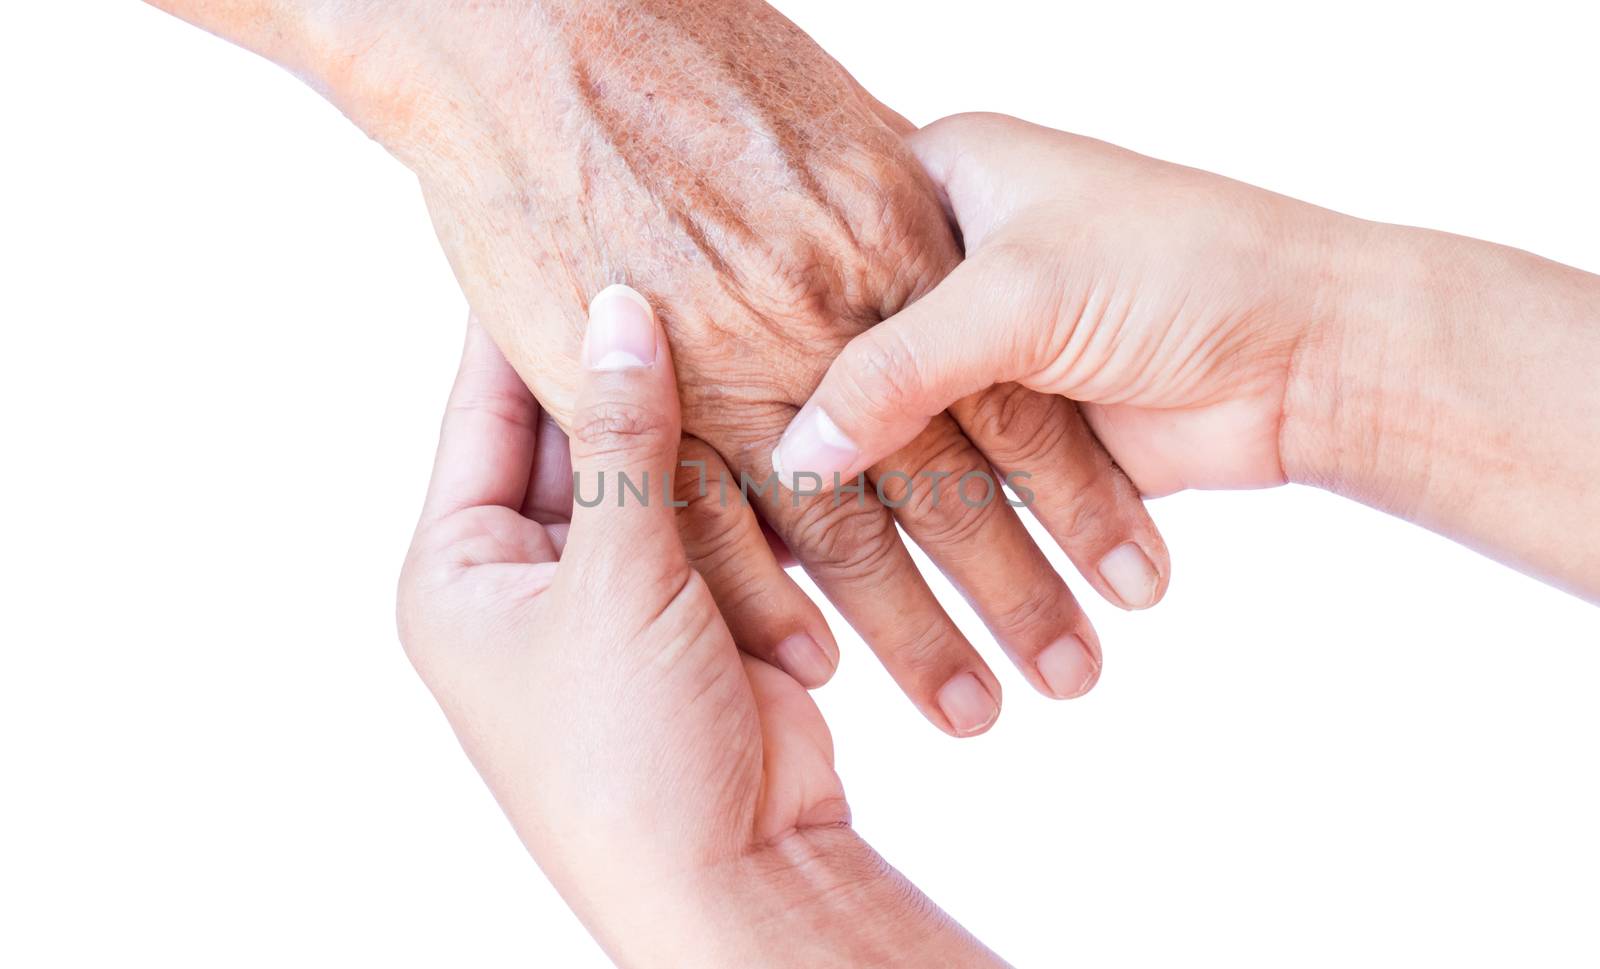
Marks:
<point>228,333</point>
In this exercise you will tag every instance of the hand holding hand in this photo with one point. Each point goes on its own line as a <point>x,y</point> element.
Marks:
<point>679,793</point>
<point>1171,302</point>
<point>1220,336</point>
<point>709,154</point>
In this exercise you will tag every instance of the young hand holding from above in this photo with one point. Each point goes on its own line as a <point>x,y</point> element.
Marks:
<point>1221,336</point>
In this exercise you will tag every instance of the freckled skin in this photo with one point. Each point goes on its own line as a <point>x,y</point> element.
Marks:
<point>707,154</point>
<point>710,155</point>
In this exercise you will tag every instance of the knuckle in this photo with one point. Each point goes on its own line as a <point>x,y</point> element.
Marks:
<point>797,283</point>
<point>682,613</point>
<point>520,412</point>
<point>924,655</point>
<point>883,367</point>
<point>1036,608</point>
<point>946,520</point>
<point>845,540</point>
<point>1086,519</point>
<point>685,619</point>
<point>620,428</point>
<point>1037,433</point>
<point>946,515</point>
<point>1009,420</point>
<point>711,538</point>
<point>953,525</point>
<point>908,243</point>
<point>1078,491</point>
<point>739,593</point>
<point>701,500</point>
<point>712,520</point>
<point>1053,445</point>
<point>703,507</point>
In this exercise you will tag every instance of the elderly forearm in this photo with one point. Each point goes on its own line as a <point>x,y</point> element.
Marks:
<point>276,29</point>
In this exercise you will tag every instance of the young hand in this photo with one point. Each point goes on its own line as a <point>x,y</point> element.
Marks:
<point>1219,336</point>
<point>679,793</point>
<point>1171,302</point>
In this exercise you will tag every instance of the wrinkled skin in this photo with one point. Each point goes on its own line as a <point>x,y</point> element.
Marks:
<point>708,154</point>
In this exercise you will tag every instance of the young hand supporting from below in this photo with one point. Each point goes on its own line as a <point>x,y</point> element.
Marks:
<point>680,794</point>
<point>1221,336</point>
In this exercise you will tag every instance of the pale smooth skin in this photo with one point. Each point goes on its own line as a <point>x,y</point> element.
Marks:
<point>679,793</point>
<point>709,154</point>
<point>1221,336</point>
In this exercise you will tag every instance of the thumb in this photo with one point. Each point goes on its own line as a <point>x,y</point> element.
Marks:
<point>624,437</point>
<point>970,333</point>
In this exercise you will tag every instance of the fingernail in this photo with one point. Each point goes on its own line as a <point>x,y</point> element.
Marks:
<point>1068,668</point>
<point>622,331</point>
<point>802,658</point>
<point>1127,570</point>
<point>813,443</point>
<point>967,704</point>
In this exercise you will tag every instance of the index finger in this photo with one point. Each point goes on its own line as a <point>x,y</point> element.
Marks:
<point>488,437</point>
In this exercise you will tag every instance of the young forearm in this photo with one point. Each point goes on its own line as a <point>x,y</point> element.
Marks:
<point>1456,383</point>
<point>855,909</point>
<point>818,898</point>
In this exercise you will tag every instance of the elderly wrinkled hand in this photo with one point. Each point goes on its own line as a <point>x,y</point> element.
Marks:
<point>711,155</point>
